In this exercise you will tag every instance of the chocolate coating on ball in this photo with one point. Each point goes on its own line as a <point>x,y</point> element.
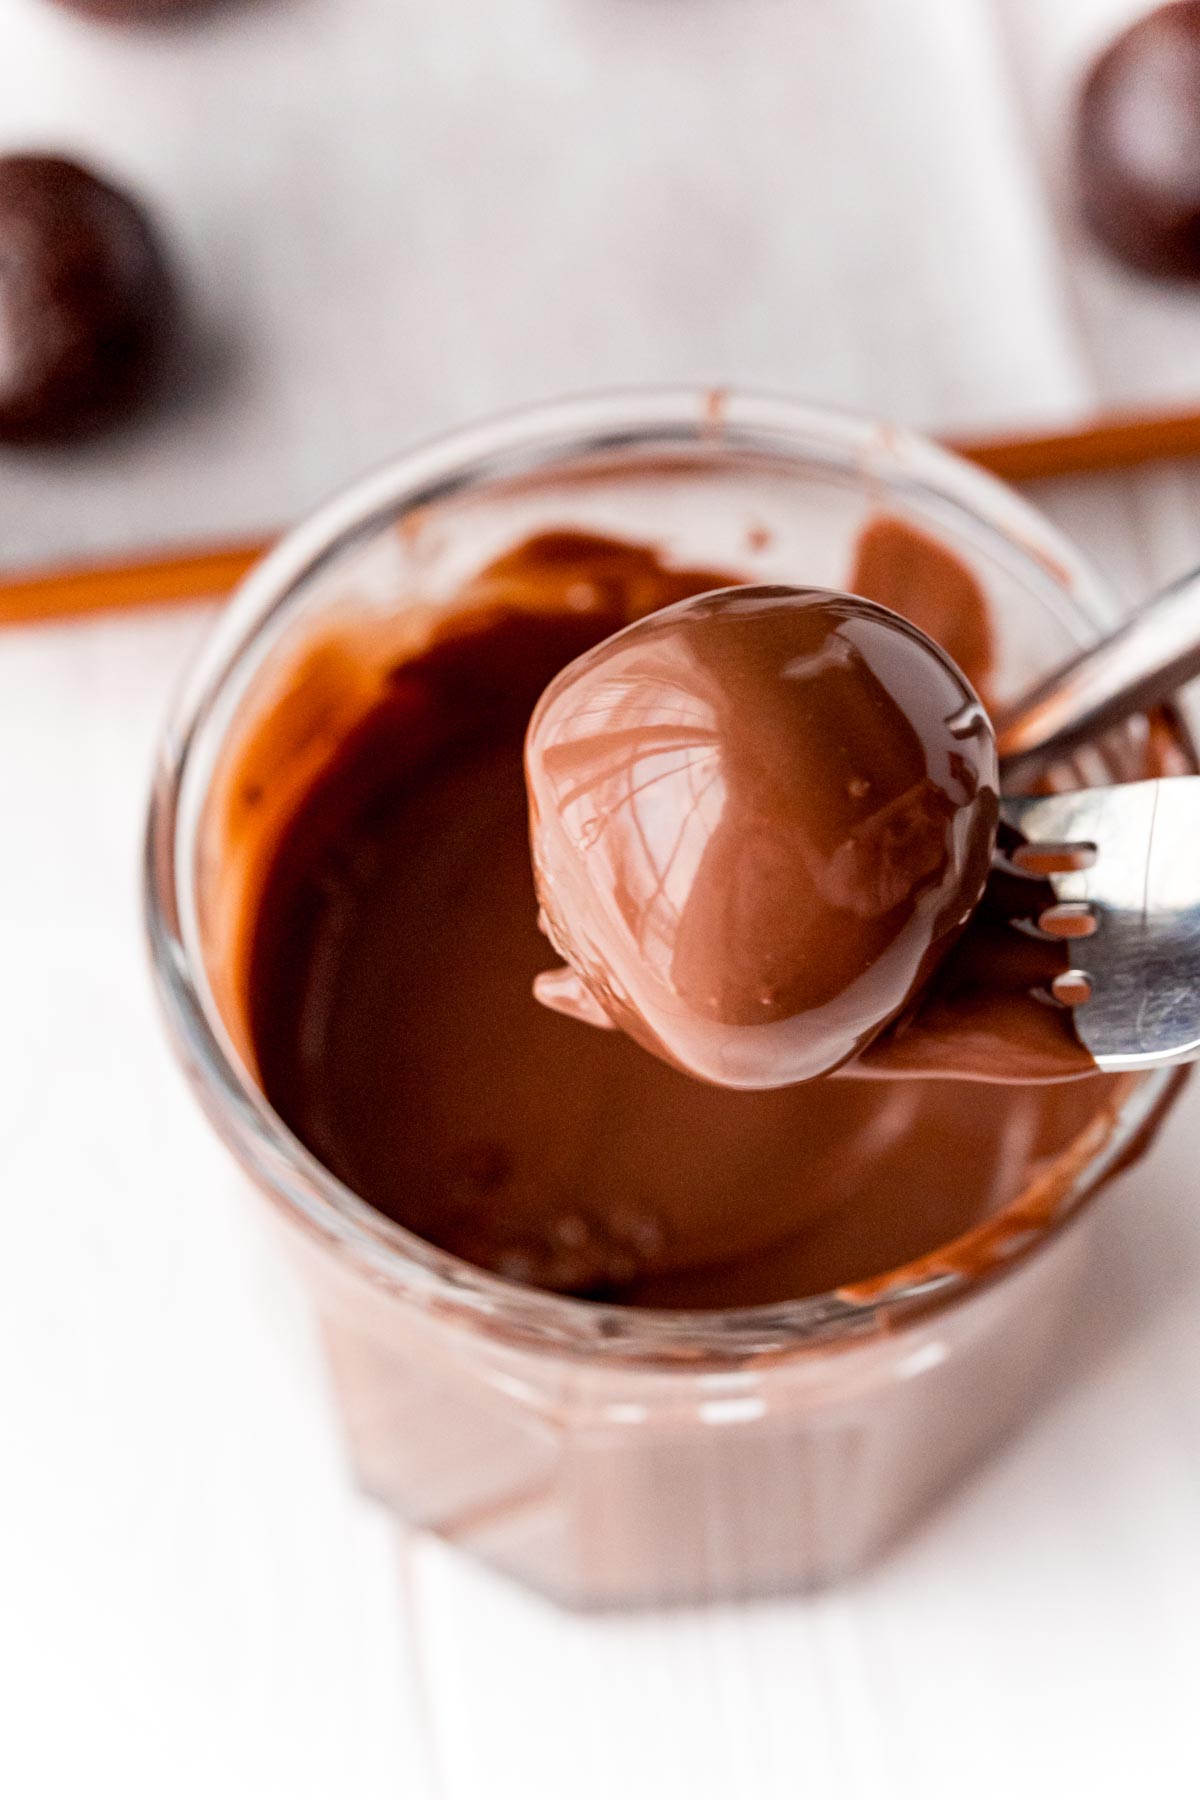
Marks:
<point>87,307</point>
<point>759,819</point>
<point>1137,143</point>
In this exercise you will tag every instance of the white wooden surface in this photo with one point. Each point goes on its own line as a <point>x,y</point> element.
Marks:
<point>856,200</point>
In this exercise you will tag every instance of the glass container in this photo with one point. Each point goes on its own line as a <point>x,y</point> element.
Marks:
<point>604,1454</point>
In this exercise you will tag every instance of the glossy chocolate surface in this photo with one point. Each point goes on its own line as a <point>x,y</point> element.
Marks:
<point>759,820</point>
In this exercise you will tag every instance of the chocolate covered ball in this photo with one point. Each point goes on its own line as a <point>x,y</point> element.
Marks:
<point>1137,143</point>
<point>759,819</point>
<point>86,302</point>
<point>137,12</point>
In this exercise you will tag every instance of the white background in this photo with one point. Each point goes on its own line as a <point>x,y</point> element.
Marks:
<point>391,215</point>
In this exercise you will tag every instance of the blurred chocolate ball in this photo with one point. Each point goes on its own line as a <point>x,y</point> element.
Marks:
<point>1137,143</point>
<point>137,11</point>
<point>87,307</point>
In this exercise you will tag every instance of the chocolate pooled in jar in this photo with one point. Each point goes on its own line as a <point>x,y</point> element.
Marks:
<point>759,820</point>
<point>387,946</point>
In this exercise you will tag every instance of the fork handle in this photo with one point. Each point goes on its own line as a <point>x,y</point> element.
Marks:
<point>1155,652</point>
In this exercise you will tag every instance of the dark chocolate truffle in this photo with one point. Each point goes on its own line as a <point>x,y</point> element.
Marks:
<point>86,301</point>
<point>1137,143</point>
<point>136,12</point>
<point>759,819</point>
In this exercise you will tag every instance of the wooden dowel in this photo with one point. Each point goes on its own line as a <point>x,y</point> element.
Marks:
<point>200,574</point>
<point>1097,448</point>
<point>210,572</point>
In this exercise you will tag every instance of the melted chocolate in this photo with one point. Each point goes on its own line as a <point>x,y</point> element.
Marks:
<point>925,583</point>
<point>393,944</point>
<point>989,1014</point>
<point>759,820</point>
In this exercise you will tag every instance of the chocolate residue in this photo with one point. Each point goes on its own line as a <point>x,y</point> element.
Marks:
<point>989,1014</point>
<point>896,566</point>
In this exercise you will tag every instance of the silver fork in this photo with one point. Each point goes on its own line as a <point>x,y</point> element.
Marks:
<point>1147,659</point>
<point>1124,862</point>
<point>1124,865</point>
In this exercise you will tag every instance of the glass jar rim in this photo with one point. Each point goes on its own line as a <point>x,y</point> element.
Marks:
<point>524,442</point>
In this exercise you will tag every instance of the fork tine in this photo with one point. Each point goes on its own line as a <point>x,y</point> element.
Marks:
<point>1140,893</point>
<point>1052,859</point>
<point>1069,919</point>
